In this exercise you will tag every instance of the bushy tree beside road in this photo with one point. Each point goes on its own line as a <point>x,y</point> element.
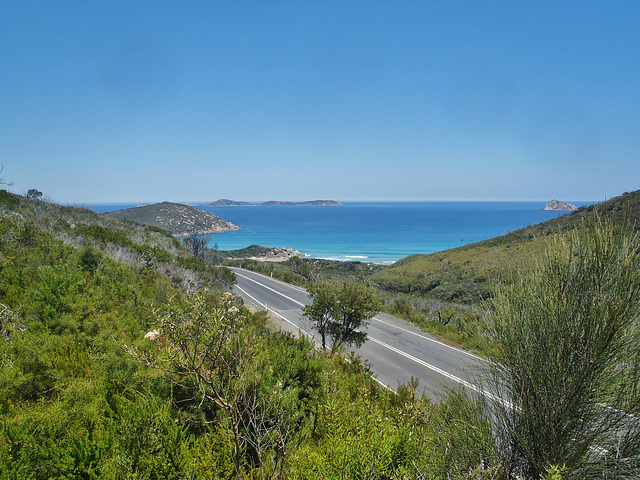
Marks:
<point>340,310</point>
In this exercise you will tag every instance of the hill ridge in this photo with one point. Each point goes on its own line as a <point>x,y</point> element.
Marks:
<point>178,219</point>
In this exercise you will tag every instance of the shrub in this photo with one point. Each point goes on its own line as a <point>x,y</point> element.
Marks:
<point>566,356</point>
<point>103,234</point>
<point>9,199</point>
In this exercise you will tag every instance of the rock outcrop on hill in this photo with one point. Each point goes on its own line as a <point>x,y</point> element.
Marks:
<point>559,206</point>
<point>278,255</point>
<point>176,218</point>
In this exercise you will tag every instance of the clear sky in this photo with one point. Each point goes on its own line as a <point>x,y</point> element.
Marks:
<point>133,101</point>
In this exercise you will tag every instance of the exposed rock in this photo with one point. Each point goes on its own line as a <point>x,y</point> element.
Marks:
<point>178,219</point>
<point>558,206</point>
<point>278,255</point>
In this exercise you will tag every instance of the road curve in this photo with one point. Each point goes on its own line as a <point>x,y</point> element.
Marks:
<point>396,350</point>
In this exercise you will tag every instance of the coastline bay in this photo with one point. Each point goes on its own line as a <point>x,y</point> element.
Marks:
<point>378,232</point>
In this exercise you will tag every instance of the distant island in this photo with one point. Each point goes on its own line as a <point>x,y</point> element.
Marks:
<point>176,218</point>
<point>558,206</point>
<point>223,202</point>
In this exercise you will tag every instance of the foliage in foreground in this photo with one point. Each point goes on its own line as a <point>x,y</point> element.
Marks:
<point>566,355</point>
<point>217,394</point>
<point>77,298</point>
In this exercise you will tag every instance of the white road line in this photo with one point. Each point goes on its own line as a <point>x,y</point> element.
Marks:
<point>274,311</point>
<point>272,289</point>
<point>444,373</point>
<point>383,385</point>
<point>289,285</point>
<point>393,349</point>
<point>377,319</point>
<point>429,339</point>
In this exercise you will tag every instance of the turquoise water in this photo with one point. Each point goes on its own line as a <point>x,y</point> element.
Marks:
<point>379,232</point>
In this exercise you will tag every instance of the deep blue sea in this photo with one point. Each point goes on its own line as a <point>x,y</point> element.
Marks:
<point>379,232</point>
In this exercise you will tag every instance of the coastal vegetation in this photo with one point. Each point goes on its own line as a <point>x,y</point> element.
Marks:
<point>559,324</point>
<point>564,352</point>
<point>176,218</point>
<point>444,292</point>
<point>341,310</point>
<point>123,355</point>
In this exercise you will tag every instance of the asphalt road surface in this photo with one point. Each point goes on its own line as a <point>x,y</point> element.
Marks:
<point>396,350</point>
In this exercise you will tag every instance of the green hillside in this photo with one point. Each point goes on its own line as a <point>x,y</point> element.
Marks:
<point>443,292</point>
<point>178,219</point>
<point>121,357</point>
<point>448,287</point>
<point>516,246</point>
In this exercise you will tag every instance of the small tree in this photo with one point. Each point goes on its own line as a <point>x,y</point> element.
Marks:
<point>341,310</point>
<point>566,356</point>
<point>2,180</point>
<point>198,353</point>
<point>34,194</point>
<point>215,255</point>
<point>209,350</point>
<point>197,243</point>
<point>322,309</point>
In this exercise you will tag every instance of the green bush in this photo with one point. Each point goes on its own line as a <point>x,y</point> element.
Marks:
<point>566,357</point>
<point>152,255</point>
<point>103,234</point>
<point>9,199</point>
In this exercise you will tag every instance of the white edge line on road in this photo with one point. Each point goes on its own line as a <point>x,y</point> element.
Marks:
<point>272,289</point>
<point>425,337</point>
<point>286,319</point>
<point>272,310</point>
<point>375,318</point>
<point>396,350</point>
<point>290,285</point>
<point>448,375</point>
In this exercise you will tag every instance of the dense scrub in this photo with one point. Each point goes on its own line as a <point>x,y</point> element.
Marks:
<point>121,356</point>
<point>565,353</point>
<point>106,372</point>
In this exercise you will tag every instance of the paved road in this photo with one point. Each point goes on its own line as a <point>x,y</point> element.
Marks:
<point>397,350</point>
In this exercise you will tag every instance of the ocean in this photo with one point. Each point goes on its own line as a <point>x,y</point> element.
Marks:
<point>378,232</point>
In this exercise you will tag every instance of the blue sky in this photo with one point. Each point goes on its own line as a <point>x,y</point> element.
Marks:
<point>295,100</point>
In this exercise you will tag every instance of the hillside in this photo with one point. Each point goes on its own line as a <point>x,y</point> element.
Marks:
<point>178,219</point>
<point>519,245</point>
<point>120,357</point>
<point>443,292</point>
